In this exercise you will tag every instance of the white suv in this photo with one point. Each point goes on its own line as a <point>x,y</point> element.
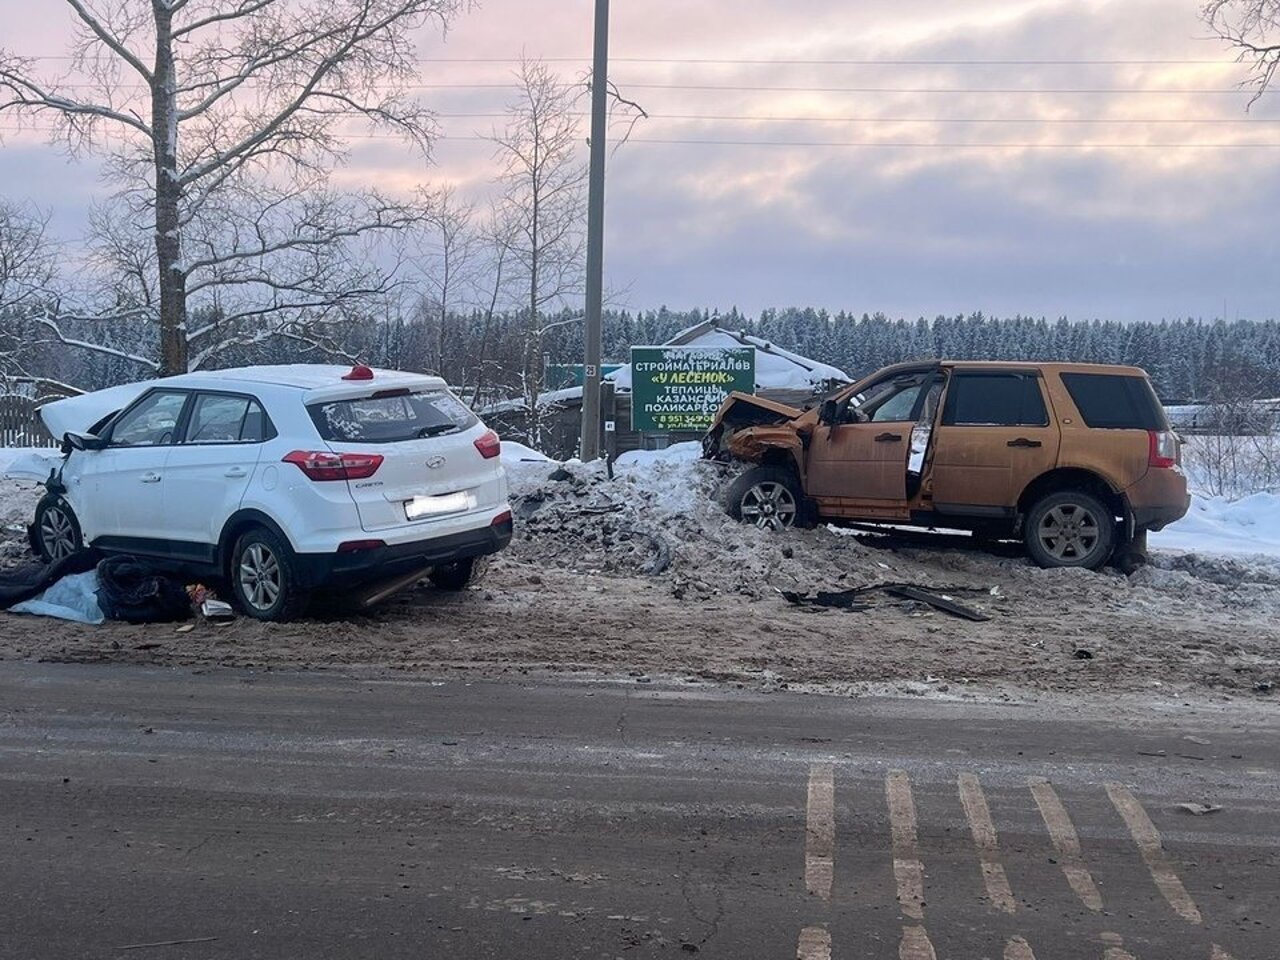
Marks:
<point>282,480</point>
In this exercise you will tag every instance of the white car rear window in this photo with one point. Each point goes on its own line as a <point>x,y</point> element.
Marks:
<point>392,417</point>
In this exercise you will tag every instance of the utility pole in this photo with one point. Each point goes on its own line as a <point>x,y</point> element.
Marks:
<point>595,238</point>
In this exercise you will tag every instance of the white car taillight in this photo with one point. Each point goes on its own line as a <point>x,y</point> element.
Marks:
<point>324,465</point>
<point>1164,449</point>
<point>489,445</point>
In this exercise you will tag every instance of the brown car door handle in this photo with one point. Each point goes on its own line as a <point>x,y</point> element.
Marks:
<point>1024,442</point>
<point>889,438</point>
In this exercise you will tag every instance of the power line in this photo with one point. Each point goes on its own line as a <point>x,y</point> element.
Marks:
<point>929,90</point>
<point>673,141</point>
<point>816,144</point>
<point>784,61</point>
<point>927,62</point>
<point>950,120</point>
<point>772,88</point>
<point>950,146</point>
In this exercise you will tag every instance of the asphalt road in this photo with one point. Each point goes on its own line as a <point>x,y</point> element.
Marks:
<point>315,816</point>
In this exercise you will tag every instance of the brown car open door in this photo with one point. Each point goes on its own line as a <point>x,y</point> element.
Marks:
<point>857,462</point>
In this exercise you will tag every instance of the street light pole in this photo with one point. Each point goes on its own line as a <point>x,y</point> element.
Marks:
<point>595,238</point>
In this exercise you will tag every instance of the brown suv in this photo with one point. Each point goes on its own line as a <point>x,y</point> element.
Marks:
<point>1077,460</point>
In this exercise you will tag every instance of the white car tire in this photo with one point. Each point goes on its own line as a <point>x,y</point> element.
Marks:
<point>264,577</point>
<point>55,532</point>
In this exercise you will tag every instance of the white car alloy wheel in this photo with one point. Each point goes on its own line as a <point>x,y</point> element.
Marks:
<point>260,577</point>
<point>58,533</point>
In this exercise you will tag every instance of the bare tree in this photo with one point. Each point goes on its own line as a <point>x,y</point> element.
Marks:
<point>222,119</point>
<point>543,208</point>
<point>1252,28</point>
<point>26,257</point>
<point>450,256</point>
<point>26,279</point>
<point>497,240</point>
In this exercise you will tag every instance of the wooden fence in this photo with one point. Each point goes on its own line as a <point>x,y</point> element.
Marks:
<point>20,403</point>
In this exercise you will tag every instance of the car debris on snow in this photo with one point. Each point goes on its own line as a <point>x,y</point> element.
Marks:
<point>1199,809</point>
<point>853,599</point>
<point>943,603</point>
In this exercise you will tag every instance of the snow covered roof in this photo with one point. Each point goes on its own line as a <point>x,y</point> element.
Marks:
<point>776,368</point>
<point>545,399</point>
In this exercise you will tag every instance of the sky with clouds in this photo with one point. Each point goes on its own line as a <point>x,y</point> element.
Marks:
<point>1087,158</point>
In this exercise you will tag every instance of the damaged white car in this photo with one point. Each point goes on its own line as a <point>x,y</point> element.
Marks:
<point>279,480</point>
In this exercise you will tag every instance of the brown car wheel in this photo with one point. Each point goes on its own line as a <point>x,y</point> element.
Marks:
<point>1070,528</point>
<point>769,498</point>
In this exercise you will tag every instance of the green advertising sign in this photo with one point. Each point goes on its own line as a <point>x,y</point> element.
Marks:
<point>679,389</point>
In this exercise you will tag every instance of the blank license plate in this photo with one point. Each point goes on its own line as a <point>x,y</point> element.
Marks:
<point>422,507</point>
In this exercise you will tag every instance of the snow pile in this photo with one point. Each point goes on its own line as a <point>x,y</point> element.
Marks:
<point>1215,525</point>
<point>663,514</point>
<point>17,504</point>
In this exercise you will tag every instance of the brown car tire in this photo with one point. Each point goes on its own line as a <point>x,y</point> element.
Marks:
<point>770,498</point>
<point>1070,528</point>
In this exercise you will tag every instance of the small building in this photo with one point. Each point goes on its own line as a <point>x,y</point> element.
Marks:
<point>781,375</point>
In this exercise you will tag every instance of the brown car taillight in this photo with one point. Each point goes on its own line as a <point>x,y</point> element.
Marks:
<point>489,445</point>
<point>1164,449</point>
<point>324,465</point>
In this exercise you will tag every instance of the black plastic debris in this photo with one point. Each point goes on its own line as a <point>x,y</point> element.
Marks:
<point>842,600</point>
<point>854,599</point>
<point>938,602</point>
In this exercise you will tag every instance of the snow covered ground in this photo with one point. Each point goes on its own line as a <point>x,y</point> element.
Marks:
<point>1215,525</point>
<point>17,501</point>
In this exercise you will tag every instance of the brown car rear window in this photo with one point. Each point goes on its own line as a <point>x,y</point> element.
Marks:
<point>1112,401</point>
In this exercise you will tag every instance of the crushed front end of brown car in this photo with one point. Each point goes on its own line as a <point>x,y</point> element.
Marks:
<point>746,428</point>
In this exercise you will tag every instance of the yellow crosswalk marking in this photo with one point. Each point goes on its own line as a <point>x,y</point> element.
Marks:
<point>1147,837</point>
<point>915,945</point>
<point>1115,948</point>
<point>978,813</point>
<point>815,944</point>
<point>908,871</point>
<point>1066,841</point>
<point>820,832</point>
<point>1018,949</point>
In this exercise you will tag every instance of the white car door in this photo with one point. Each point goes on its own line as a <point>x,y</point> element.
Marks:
<point>118,492</point>
<point>207,473</point>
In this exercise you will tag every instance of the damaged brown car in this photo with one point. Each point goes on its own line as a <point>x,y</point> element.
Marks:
<point>1076,460</point>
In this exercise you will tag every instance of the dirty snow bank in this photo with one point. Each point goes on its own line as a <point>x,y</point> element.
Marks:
<point>662,514</point>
